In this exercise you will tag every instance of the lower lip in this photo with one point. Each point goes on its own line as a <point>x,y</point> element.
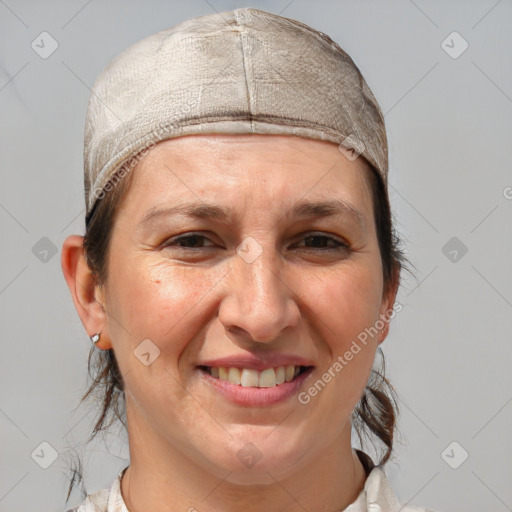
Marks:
<point>256,397</point>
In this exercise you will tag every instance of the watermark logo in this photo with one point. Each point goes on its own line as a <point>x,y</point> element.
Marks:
<point>454,455</point>
<point>146,352</point>
<point>249,249</point>
<point>454,249</point>
<point>249,455</point>
<point>44,250</point>
<point>44,455</point>
<point>44,45</point>
<point>454,45</point>
<point>351,147</point>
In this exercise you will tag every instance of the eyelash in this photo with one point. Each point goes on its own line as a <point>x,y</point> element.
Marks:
<point>340,246</point>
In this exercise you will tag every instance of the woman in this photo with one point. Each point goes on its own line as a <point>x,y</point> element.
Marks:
<point>239,269</point>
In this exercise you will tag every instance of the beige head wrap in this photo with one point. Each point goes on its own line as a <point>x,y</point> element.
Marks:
<point>242,71</point>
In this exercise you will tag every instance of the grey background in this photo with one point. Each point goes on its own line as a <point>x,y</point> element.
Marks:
<point>449,124</point>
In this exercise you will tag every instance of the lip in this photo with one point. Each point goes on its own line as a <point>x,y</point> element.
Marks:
<point>253,396</point>
<point>259,363</point>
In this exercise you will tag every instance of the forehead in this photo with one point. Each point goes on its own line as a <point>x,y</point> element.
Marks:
<point>230,169</point>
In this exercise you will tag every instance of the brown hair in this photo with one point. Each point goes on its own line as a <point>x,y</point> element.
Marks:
<point>377,410</point>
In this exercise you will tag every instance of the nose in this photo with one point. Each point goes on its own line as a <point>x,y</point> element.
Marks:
<point>259,301</point>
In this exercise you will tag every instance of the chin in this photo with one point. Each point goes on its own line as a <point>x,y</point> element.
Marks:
<point>260,461</point>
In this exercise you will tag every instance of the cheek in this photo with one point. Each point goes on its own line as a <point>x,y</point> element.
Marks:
<point>348,300</point>
<point>160,302</point>
<point>347,310</point>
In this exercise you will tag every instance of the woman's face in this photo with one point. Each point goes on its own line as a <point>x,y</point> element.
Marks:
<point>254,283</point>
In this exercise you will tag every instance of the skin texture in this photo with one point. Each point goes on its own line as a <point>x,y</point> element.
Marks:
<point>205,301</point>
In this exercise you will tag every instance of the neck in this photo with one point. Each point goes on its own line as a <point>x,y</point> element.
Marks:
<point>162,477</point>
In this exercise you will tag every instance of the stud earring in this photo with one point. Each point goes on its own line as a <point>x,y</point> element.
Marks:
<point>95,338</point>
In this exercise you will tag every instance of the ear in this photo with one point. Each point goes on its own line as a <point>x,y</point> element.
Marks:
<point>388,301</point>
<point>87,296</point>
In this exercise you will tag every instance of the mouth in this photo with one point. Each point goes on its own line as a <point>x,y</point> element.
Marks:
<point>248,387</point>
<point>248,377</point>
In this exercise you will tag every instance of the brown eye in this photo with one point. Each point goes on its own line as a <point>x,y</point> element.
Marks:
<point>319,243</point>
<point>192,241</point>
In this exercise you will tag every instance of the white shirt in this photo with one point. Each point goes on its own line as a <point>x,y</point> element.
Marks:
<point>376,496</point>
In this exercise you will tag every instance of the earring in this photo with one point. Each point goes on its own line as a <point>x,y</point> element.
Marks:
<point>95,338</point>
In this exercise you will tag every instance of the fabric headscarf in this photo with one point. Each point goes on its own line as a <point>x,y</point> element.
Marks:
<point>238,72</point>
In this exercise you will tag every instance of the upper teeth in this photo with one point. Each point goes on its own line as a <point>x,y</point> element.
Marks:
<point>267,378</point>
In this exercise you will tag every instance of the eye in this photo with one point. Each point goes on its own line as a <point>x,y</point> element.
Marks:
<point>319,240</point>
<point>191,241</point>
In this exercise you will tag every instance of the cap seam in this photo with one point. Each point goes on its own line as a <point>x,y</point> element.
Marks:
<point>242,33</point>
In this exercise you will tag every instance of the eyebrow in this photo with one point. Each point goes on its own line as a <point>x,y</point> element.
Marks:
<point>302,209</point>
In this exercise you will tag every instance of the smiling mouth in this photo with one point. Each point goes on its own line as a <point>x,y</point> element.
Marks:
<point>247,377</point>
